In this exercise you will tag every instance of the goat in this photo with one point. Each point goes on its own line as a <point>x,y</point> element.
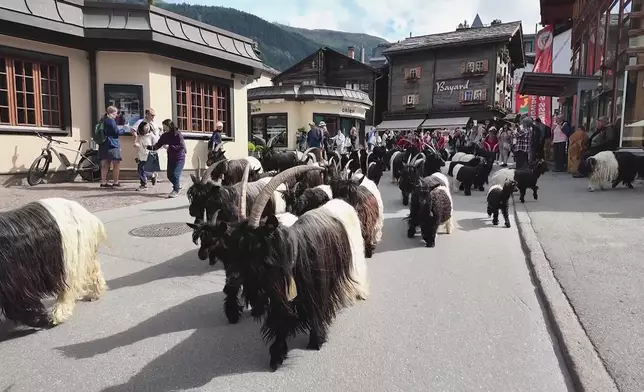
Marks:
<point>389,157</point>
<point>525,178</point>
<point>409,173</point>
<point>438,178</point>
<point>465,159</point>
<point>398,161</point>
<point>614,167</point>
<point>375,171</point>
<point>306,272</point>
<point>207,197</point>
<point>467,176</point>
<point>231,170</point>
<point>48,247</point>
<point>431,207</point>
<point>433,162</point>
<point>498,198</point>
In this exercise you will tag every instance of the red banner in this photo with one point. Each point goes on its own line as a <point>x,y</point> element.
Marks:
<point>541,107</point>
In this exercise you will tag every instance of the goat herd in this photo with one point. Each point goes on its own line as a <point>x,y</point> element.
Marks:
<point>292,231</point>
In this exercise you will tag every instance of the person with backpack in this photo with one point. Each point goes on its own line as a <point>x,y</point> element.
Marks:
<point>106,135</point>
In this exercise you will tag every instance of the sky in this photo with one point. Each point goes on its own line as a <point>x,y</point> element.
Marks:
<point>392,20</point>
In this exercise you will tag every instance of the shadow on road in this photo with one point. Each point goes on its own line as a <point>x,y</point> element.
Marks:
<point>214,349</point>
<point>187,264</point>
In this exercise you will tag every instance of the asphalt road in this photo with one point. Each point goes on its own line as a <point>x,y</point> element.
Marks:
<point>593,242</point>
<point>463,316</point>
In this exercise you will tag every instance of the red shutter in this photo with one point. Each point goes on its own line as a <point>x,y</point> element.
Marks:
<point>484,94</point>
<point>418,69</point>
<point>463,67</point>
<point>485,65</point>
<point>461,96</point>
<point>404,100</point>
<point>406,73</point>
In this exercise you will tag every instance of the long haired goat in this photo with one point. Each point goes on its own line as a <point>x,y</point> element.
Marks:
<point>498,198</point>
<point>48,247</point>
<point>409,174</point>
<point>525,178</point>
<point>230,171</point>
<point>614,167</point>
<point>431,207</point>
<point>307,271</point>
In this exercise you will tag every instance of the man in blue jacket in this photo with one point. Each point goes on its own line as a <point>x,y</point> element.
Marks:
<point>215,139</point>
<point>314,137</point>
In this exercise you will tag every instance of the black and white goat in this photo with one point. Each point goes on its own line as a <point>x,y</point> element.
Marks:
<point>525,178</point>
<point>307,271</point>
<point>230,171</point>
<point>207,197</point>
<point>431,207</point>
<point>468,177</point>
<point>498,198</point>
<point>48,247</point>
<point>460,158</point>
<point>398,161</point>
<point>614,167</point>
<point>410,172</point>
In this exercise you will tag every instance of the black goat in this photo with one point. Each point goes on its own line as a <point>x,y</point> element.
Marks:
<point>409,174</point>
<point>431,207</point>
<point>469,176</point>
<point>375,170</point>
<point>498,198</point>
<point>230,171</point>
<point>398,160</point>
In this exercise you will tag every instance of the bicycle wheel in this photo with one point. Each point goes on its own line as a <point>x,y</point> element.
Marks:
<point>36,172</point>
<point>89,167</point>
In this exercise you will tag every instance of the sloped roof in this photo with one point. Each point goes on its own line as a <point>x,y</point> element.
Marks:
<point>472,35</point>
<point>477,22</point>
<point>308,92</point>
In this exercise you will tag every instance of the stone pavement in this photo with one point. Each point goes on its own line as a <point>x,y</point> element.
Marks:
<point>459,317</point>
<point>16,193</point>
<point>593,242</point>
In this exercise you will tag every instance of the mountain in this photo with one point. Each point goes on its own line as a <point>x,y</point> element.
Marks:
<point>281,46</point>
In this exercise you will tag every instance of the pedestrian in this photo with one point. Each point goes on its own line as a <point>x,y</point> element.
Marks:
<point>173,139</point>
<point>146,161</point>
<point>540,133</point>
<point>371,139</point>
<point>505,144</point>
<point>559,139</point>
<point>215,138</point>
<point>109,152</point>
<point>339,141</point>
<point>155,132</point>
<point>523,145</point>
<point>603,139</point>
<point>353,138</point>
<point>314,136</point>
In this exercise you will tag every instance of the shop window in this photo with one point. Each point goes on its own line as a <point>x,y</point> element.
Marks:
<point>33,92</point>
<point>267,126</point>
<point>201,102</point>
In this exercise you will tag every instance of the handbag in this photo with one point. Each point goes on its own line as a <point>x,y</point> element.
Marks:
<point>152,164</point>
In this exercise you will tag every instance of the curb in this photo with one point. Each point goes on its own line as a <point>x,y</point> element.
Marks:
<point>586,369</point>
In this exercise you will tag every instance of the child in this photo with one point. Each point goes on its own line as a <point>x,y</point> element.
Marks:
<point>142,140</point>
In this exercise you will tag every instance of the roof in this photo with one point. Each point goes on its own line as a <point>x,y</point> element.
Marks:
<point>554,84</point>
<point>304,93</point>
<point>326,49</point>
<point>400,124</point>
<point>450,123</point>
<point>96,21</point>
<point>472,35</point>
<point>270,70</point>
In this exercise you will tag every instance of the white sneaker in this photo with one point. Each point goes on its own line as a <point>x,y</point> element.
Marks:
<point>173,194</point>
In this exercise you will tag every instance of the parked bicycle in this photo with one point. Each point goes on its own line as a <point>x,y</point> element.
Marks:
<point>85,163</point>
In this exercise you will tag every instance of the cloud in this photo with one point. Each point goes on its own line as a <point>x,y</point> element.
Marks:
<point>391,19</point>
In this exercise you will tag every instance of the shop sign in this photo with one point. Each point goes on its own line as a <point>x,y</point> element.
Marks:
<point>348,110</point>
<point>255,110</point>
<point>444,87</point>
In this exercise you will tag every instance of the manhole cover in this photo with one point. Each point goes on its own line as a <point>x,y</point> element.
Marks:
<point>168,229</point>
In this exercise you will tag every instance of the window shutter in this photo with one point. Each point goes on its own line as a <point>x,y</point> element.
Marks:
<point>418,69</point>
<point>463,67</point>
<point>404,100</point>
<point>485,65</point>
<point>461,96</point>
<point>484,94</point>
<point>416,99</point>
<point>406,73</point>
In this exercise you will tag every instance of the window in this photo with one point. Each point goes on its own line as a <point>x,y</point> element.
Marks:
<point>412,73</point>
<point>352,85</point>
<point>266,126</point>
<point>200,102</point>
<point>528,46</point>
<point>30,93</point>
<point>478,67</point>
<point>313,64</point>
<point>410,100</point>
<point>471,67</point>
<point>364,87</point>
<point>309,83</point>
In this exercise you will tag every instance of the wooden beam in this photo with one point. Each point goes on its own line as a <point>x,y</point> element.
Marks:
<point>637,67</point>
<point>635,32</point>
<point>635,50</point>
<point>636,15</point>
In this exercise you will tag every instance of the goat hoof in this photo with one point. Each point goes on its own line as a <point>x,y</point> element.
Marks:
<point>429,245</point>
<point>630,186</point>
<point>313,346</point>
<point>522,200</point>
<point>507,224</point>
<point>468,193</point>
<point>275,364</point>
<point>481,189</point>
<point>368,253</point>
<point>257,312</point>
<point>495,223</point>
<point>411,233</point>
<point>234,316</point>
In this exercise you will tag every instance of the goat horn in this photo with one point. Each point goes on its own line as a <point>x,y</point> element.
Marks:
<point>315,159</point>
<point>418,162</point>
<point>198,171</point>
<point>210,169</point>
<point>310,149</point>
<point>416,157</point>
<point>215,216</point>
<point>267,191</point>
<point>244,187</point>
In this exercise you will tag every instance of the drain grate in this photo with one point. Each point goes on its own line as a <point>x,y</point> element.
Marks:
<point>168,229</point>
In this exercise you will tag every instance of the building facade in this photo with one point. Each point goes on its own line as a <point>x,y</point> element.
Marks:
<point>63,61</point>
<point>330,68</point>
<point>462,75</point>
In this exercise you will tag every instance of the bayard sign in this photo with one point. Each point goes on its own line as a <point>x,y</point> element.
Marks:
<point>443,86</point>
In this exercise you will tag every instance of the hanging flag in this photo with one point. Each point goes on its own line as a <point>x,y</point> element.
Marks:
<point>541,106</point>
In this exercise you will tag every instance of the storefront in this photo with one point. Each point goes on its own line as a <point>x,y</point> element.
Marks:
<point>284,110</point>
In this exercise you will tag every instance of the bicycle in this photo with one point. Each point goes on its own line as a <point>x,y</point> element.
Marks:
<point>88,166</point>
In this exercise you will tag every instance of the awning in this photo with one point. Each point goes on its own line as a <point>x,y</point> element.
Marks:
<point>435,123</point>
<point>399,124</point>
<point>555,85</point>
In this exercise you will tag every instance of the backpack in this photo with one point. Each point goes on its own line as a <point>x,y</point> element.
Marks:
<point>99,133</point>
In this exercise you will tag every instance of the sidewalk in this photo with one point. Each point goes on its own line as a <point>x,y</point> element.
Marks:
<point>593,242</point>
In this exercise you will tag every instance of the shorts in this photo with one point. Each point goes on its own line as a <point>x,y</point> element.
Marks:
<point>109,154</point>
